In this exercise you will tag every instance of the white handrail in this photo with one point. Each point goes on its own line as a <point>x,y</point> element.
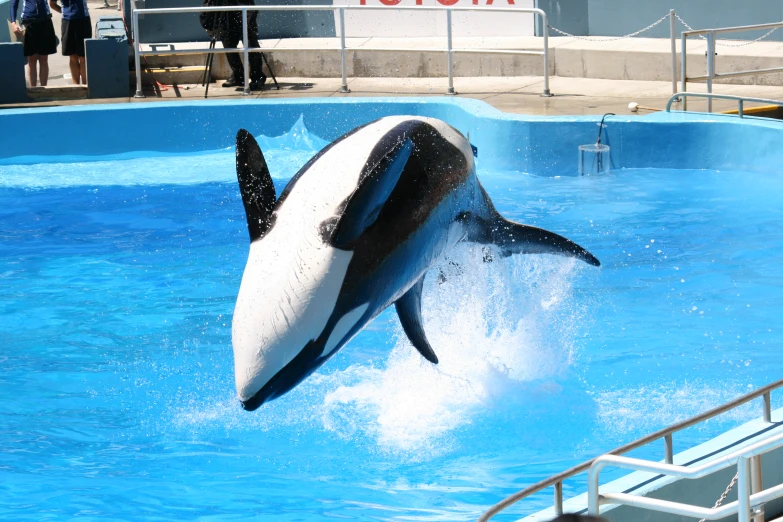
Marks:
<point>739,99</point>
<point>710,34</point>
<point>744,498</point>
<point>341,11</point>
<point>666,434</point>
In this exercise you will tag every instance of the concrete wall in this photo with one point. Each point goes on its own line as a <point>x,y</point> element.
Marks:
<point>570,16</point>
<point>620,17</point>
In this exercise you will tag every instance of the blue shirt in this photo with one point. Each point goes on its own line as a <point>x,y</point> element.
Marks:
<point>74,9</point>
<point>30,9</point>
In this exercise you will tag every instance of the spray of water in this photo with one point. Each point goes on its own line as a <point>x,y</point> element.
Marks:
<point>494,326</point>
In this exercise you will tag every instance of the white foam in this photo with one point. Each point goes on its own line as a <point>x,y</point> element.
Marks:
<point>493,326</point>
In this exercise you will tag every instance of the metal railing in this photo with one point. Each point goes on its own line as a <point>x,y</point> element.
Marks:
<point>665,434</point>
<point>711,75</point>
<point>740,507</point>
<point>710,96</point>
<point>449,49</point>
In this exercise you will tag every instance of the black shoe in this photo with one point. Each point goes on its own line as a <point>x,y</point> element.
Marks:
<point>233,82</point>
<point>258,84</point>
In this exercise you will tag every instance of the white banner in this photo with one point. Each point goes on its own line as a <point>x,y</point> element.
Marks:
<point>394,23</point>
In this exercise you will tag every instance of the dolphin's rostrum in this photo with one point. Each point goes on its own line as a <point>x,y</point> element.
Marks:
<point>353,232</point>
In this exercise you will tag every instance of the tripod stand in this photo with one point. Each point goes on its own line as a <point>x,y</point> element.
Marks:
<point>206,79</point>
<point>220,24</point>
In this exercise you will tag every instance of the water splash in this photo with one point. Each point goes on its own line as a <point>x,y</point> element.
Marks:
<point>493,325</point>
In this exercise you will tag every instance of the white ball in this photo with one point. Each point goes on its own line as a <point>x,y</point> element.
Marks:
<point>633,106</point>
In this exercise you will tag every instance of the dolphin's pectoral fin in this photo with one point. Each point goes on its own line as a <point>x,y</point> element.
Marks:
<point>366,203</point>
<point>409,311</point>
<point>515,238</point>
<point>255,184</point>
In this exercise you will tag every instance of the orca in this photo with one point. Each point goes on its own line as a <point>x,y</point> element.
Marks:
<point>354,231</point>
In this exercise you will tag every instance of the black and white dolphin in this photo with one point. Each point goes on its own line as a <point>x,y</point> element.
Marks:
<point>354,231</point>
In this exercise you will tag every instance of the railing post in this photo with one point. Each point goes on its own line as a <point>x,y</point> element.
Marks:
<point>673,36</point>
<point>756,485</point>
<point>683,68</point>
<point>668,449</point>
<point>740,112</point>
<point>344,87</point>
<point>558,498</point>
<point>743,489</point>
<point>448,52</point>
<point>246,53</point>
<point>545,30</point>
<point>593,500</point>
<point>767,397</point>
<point>137,47</point>
<point>710,66</point>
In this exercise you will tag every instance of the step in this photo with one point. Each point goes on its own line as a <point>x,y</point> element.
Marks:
<point>646,59</point>
<point>58,92</point>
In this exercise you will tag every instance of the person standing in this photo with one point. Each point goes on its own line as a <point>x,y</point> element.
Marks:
<point>35,26</point>
<point>76,27</point>
<point>227,27</point>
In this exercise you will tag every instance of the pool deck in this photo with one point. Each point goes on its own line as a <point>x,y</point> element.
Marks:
<point>515,94</point>
<point>520,95</point>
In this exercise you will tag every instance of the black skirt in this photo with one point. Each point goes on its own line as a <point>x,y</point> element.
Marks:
<point>74,33</point>
<point>39,37</point>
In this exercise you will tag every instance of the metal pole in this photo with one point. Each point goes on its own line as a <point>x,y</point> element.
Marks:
<point>756,485</point>
<point>740,112</point>
<point>137,48</point>
<point>593,499</point>
<point>448,52</point>
<point>710,66</point>
<point>344,87</point>
<point>743,490</point>
<point>668,449</point>
<point>683,69</point>
<point>673,36</point>
<point>767,397</point>
<point>558,498</point>
<point>545,30</point>
<point>246,53</point>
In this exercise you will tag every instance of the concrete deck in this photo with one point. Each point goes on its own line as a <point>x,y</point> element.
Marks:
<point>572,96</point>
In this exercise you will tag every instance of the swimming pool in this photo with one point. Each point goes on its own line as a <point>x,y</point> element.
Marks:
<point>120,258</point>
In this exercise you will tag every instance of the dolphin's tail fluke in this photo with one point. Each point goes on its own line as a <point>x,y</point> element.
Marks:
<point>255,184</point>
<point>515,238</point>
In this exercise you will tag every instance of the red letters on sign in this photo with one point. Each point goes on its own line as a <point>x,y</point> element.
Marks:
<point>441,2</point>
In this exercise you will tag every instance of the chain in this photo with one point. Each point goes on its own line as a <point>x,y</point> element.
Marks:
<point>640,31</point>
<point>725,494</point>
<point>743,44</point>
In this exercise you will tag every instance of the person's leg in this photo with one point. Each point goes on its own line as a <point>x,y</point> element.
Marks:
<point>32,69</point>
<point>73,65</point>
<point>230,41</point>
<point>43,75</point>
<point>83,70</point>
<point>257,76</point>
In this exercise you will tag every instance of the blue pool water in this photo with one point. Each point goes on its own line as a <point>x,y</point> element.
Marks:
<point>119,277</point>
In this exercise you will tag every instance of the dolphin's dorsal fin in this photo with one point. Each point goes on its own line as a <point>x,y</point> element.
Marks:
<point>378,181</point>
<point>515,238</point>
<point>255,185</point>
<point>409,310</point>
